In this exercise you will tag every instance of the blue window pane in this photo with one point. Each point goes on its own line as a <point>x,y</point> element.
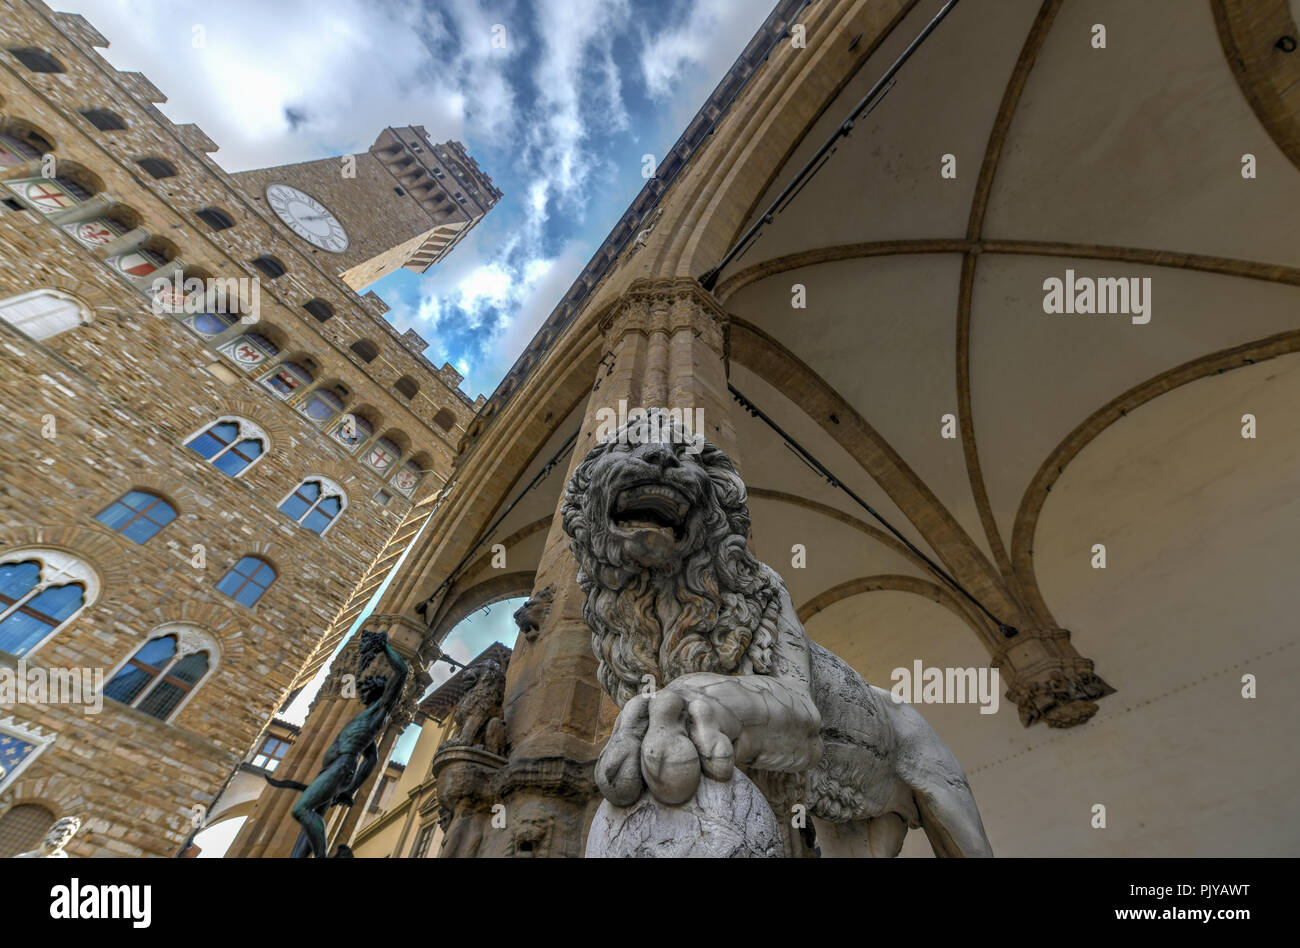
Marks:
<point>20,632</point>
<point>247,581</point>
<point>138,500</point>
<point>117,514</point>
<point>316,521</point>
<point>331,506</point>
<point>138,516</point>
<point>295,506</point>
<point>127,684</point>
<point>190,668</point>
<point>309,489</point>
<point>230,463</point>
<point>250,448</point>
<point>215,438</point>
<point>249,594</point>
<point>230,582</point>
<point>162,700</point>
<point>18,579</point>
<point>157,652</point>
<point>58,602</point>
<point>141,530</point>
<point>248,565</point>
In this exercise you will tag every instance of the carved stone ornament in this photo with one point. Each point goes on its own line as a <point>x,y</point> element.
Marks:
<point>531,615</point>
<point>674,597</point>
<point>477,720</point>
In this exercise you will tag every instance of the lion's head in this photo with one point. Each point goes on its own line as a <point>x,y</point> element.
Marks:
<point>530,616</point>
<point>658,527</point>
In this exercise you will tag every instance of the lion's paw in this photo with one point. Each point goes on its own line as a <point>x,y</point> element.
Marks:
<point>618,770</point>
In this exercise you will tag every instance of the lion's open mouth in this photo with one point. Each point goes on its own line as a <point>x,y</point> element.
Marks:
<point>651,507</point>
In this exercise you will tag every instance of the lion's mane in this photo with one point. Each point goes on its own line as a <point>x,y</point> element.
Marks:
<point>713,610</point>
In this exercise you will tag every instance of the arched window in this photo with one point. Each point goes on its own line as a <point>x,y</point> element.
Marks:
<point>157,167</point>
<point>40,592</point>
<point>231,444</point>
<point>247,580</point>
<point>16,151</point>
<point>215,218</point>
<point>271,267</point>
<point>40,314</point>
<point>104,120</point>
<point>353,431</point>
<point>137,515</point>
<point>320,309</point>
<point>315,503</point>
<point>383,454</point>
<point>407,386</point>
<point>365,350</point>
<point>444,419</point>
<point>37,60</point>
<point>22,828</point>
<point>323,404</point>
<point>287,378</point>
<point>164,672</point>
<point>250,351</point>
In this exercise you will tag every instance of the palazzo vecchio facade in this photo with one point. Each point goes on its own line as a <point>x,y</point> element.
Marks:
<point>193,483</point>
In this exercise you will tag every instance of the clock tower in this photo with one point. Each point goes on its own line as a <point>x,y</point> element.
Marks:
<point>406,202</point>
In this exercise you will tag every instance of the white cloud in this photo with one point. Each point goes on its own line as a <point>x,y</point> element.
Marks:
<point>349,71</point>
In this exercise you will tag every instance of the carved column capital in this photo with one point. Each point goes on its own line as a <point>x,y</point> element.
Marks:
<point>669,307</point>
<point>1048,680</point>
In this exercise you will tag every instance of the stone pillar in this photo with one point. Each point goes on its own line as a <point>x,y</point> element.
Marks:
<point>271,831</point>
<point>668,340</point>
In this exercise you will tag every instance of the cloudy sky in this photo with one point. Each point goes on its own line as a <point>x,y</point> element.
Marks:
<point>561,118</point>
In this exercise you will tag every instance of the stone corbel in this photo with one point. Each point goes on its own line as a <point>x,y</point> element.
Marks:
<point>1048,680</point>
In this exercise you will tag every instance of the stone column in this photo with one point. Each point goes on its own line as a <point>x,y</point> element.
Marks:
<point>668,340</point>
<point>271,831</point>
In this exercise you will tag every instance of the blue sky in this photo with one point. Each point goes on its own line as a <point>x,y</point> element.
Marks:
<point>561,118</point>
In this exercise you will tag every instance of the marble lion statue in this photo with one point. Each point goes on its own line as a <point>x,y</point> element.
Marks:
<point>675,599</point>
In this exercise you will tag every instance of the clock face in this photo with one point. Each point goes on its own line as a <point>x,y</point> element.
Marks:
<point>308,218</point>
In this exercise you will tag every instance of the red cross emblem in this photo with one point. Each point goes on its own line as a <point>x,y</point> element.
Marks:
<point>39,194</point>
<point>380,458</point>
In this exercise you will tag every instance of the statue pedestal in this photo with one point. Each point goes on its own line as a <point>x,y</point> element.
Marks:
<point>464,787</point>
<point>722,821</point>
